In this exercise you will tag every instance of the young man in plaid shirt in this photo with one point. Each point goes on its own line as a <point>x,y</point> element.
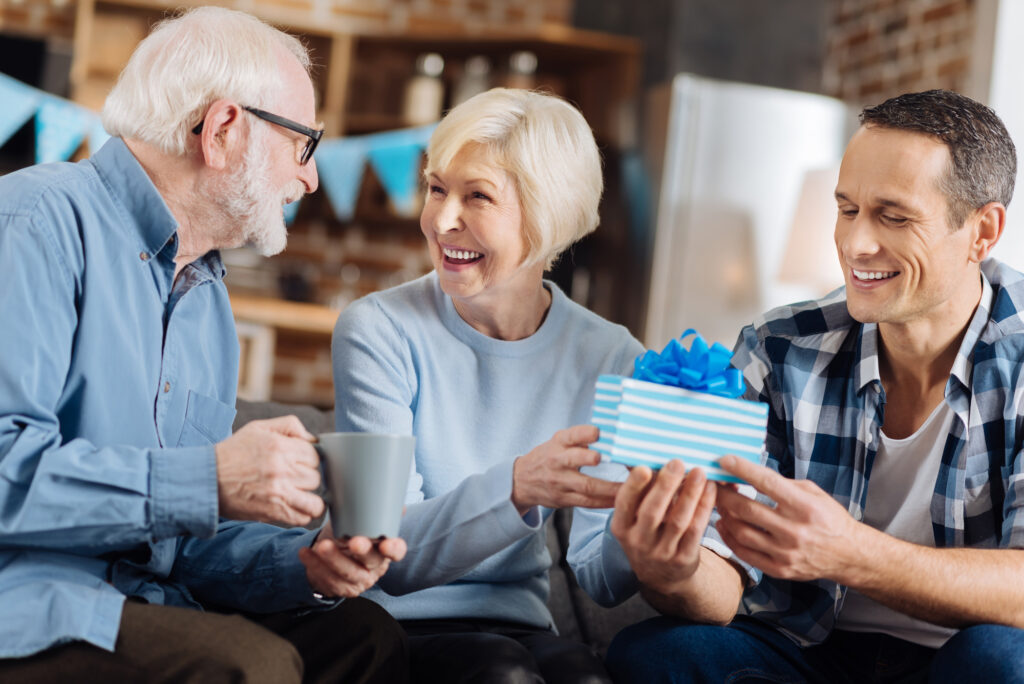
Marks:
<point>886,540</point>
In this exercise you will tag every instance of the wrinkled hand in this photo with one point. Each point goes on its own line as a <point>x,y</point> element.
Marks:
<point>550,474</point>
<point>347,568</point>
<point>660,521</point>
<point>807,536</point>
<point>267,470</point>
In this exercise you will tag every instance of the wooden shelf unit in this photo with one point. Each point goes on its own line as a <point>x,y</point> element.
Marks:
<point>598,72</point>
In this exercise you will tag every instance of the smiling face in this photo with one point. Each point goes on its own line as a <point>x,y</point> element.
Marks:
<point>900,258</point>
<point>473,222</point>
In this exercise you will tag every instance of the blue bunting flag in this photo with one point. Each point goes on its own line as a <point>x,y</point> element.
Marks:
<point>61,126</point>
<point>19,105</point>
<point>395,157</point>
<point>290,210</point>
<point>98,137</point>
<point>341,162</point>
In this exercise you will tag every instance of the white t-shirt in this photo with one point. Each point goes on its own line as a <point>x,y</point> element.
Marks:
<point>898,503</point>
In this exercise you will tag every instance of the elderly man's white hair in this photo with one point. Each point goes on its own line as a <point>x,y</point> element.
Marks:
<point>189,61</point>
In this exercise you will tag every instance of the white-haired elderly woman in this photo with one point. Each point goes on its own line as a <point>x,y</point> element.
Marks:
<point>483,361</point>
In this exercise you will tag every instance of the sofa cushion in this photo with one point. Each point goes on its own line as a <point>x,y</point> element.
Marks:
<point>598,625</point>
<point>315,419</point>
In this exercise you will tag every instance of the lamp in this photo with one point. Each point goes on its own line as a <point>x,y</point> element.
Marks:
<point>809,259</point>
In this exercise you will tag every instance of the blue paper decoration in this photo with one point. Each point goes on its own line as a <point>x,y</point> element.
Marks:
<point>290,210</point>
<point>395,157</point>
<point>19,104</point>
<point>61,126</point>
<point>340,163</point>
<point>98,137</point>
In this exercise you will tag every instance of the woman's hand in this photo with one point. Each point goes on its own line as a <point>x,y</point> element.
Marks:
<point>550,474</point>
<point>344,568</point>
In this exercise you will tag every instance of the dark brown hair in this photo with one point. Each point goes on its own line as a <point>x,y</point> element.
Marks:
<point>983,159</point>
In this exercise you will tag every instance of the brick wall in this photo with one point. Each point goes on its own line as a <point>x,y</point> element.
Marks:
<point>880,48</point>
<point>302,369</point>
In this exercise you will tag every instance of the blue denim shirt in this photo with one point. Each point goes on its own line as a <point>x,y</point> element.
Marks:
<point>115,382</point>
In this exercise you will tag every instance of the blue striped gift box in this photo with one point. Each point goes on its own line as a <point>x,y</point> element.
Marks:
<point>644,423</point>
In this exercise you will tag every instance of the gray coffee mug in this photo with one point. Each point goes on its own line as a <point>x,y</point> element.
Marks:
<point>366,475</point>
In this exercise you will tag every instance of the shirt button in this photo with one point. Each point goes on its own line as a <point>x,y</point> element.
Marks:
<point>143,256</point>
<point>167,387</point>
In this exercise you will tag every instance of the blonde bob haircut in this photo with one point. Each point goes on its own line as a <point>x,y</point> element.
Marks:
<point>187,63</point>
<point>548,150</point>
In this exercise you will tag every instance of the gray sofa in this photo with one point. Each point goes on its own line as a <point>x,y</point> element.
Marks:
<point>576,615</point>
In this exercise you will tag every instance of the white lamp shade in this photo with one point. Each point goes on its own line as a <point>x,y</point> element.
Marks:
<point>810,255</point>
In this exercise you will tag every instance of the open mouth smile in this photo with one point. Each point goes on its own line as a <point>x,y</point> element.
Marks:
<point>460,256</point>
<point>873,276</point>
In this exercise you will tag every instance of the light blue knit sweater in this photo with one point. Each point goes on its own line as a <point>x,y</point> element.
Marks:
<point>405,362</point>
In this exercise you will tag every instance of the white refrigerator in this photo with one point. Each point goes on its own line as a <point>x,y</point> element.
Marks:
<point>732,161</point>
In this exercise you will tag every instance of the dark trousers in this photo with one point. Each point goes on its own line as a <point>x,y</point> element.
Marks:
<point>356,642</point>
<point>664,649</point>
<point>497,652</point>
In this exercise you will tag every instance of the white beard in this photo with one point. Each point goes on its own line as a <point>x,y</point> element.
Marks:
<point>251,205</point>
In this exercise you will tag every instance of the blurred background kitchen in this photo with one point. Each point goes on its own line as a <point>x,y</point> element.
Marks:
<point>721,123</point>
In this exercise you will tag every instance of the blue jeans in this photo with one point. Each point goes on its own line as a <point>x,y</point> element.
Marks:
<point>665,649</point>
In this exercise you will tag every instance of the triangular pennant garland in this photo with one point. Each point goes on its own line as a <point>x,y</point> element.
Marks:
<point>20,103</point>
<point>61,127</point>
<point>396,167</point>
<point>395,158</point>
<point>341,162</point>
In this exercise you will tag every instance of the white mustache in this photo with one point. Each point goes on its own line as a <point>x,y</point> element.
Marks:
<point>293,192</point>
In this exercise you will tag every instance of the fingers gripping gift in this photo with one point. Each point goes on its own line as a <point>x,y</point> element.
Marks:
<point>679,404</point>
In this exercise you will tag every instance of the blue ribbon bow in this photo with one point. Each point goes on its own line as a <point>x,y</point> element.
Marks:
<point>701,368</point>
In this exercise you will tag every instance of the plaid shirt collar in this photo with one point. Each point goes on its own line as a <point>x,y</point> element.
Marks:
<point>866,370</point>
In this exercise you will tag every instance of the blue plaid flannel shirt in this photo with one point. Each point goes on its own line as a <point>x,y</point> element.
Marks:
<point>817,369</point>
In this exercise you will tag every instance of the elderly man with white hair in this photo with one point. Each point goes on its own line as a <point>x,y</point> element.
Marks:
<point>126,504</point>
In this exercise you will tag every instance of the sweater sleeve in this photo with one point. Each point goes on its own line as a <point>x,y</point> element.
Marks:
<point>594,554</point>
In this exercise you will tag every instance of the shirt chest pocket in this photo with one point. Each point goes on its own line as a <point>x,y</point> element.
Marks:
<point>207,421</point>
<point>981,520</point>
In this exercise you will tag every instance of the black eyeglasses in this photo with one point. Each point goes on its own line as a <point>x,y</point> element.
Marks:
<point>313,134</point>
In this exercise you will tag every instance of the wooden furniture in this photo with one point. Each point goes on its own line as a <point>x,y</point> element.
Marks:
<point>363,68</point>
<point>258,321</point>
<point>277,313</point>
